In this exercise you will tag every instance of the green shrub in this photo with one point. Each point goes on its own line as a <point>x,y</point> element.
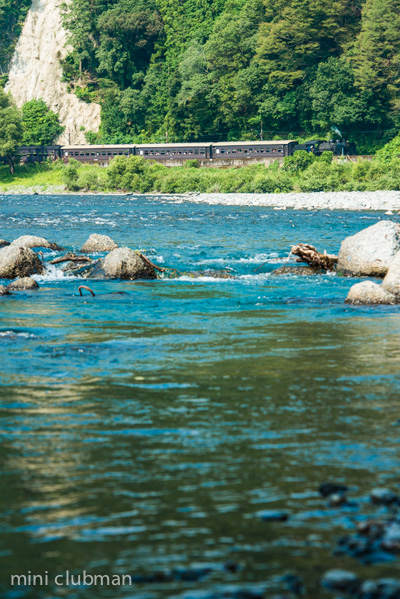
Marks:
<point>88,180</point>
<point>70,175</point>
<point>299,161</point>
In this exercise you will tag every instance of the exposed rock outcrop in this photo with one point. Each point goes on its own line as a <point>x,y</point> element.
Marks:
<point>368,292</point>
<point>36,72</point>
<point>98,243</point>
<point>32,241</point>
<point>18,261</point>
<point>4,243</point>
<point>124,263</point>
<point>371,251</point>
<point>24,284</point>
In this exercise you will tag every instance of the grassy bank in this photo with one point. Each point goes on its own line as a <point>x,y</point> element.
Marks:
<point>301,172</point>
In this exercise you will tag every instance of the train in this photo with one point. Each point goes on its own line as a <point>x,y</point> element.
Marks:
<point>227,150</point>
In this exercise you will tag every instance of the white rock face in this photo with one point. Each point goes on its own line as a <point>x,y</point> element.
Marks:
<point>36,72</point>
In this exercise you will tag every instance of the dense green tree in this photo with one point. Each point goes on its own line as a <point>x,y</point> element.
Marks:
<point>376,55</point>
<point>41,125</point>
<point>10,128</point>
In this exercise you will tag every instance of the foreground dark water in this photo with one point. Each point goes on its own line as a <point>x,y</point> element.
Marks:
<point>144,430</point>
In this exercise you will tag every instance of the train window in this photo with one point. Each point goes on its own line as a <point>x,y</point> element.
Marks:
<point>104,153</point>
<point>141,152</point>
<point>108,153</point>
<point>162,152</point>
<point>222,151</point>
<point>146,152</point>
<point>152,152</point>
<point>93,153</point>
<point>115,153</point>
<point>66,154</point>
<point>87,154</point>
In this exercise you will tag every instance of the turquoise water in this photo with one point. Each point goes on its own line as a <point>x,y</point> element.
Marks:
<point>144,430</point>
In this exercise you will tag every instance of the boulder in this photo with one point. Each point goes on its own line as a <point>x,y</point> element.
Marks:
<point>371,251</point>
<point>3,243</point>
<point>369,292</point>
<point>18,261</point>
<point>391,283</point>
<point>4,290</point>
<point>32,241</point>
<point>98,243</point>
<point>26,283</point>
<point>124,263</point>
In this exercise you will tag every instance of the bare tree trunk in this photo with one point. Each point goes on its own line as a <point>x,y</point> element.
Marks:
<point>308,254</point>
<point>11,164</point>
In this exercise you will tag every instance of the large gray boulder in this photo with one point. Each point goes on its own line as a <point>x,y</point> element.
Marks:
<point>18,261</point>
<point>98,243</point>
<point>371,251</point>
<point>369,292</point>
<point>4,290</point>
<point>124,263</point>
<point>24,284</point>
<point>32,241</point>
<point>391,283</point>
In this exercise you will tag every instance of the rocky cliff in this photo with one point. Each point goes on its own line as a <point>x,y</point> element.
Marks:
<point>36,73</point>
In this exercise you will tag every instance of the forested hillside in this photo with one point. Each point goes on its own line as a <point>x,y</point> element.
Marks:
<point>229,69</point>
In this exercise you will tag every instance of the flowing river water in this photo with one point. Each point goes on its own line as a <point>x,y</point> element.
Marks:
<point>148,429</point>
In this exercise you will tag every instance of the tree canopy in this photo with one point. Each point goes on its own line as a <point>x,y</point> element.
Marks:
<point>11,131</point>
<point>40,124</point>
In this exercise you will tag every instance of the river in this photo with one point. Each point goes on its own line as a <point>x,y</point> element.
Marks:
<point>147,429</point>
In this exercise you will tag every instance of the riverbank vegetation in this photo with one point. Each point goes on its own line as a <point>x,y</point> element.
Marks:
<point>301,172</point>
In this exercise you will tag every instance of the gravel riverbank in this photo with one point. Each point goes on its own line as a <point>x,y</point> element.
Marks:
<point>333,200</point>
<point>329,200</point>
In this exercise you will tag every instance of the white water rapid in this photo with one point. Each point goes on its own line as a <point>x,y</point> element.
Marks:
<point>36,72</point>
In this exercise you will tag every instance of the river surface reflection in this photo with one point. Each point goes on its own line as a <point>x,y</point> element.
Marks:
<point>144,430</point>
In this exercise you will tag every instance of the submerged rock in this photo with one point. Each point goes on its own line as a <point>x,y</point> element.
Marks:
<point>382,496</point>
<point>18,261</point>
<point>32,241</point>
<point>4,290</point>
<point>297,270</point>
<point>4,243</point>
<point>26,283</point>
<point>273,515</point>
<point>368,292</point>
<point>371,251</point>
<point>341,580</point>
<point>326,489</point>
<point>98,243</point>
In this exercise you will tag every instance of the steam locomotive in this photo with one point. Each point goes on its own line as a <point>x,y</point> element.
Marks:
<point>225,151</point>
